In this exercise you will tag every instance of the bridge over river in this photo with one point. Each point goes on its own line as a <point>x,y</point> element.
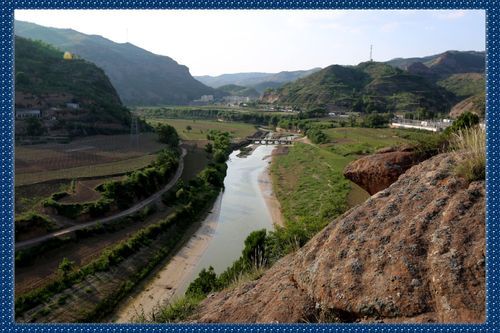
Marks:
<point>272,138</point>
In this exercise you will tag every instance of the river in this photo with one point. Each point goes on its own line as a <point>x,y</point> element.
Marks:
<point>239,210</point>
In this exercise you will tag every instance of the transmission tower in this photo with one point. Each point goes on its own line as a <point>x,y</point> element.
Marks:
<point>371,52</point>
<point>134,130</point>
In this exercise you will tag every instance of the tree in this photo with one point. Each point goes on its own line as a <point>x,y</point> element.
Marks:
<point>375,120</point>
<point>465,120</point>
<point>254,253</point>
<point>34,127</point>
<point>189,128</point>
<point>209,148</point>
<point>65,267</point>
<point>167,134</point>
<point>205,283</point>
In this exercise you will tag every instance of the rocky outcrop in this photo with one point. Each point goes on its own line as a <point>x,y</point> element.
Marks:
<point>414,252</point>
<point>376,172</point>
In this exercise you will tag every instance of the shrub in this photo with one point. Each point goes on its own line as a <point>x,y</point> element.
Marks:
<point>465,120</point>
<point>472,142</point>
<point>205,283</point>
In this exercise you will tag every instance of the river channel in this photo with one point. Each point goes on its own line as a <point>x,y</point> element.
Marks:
<point>239,210</point>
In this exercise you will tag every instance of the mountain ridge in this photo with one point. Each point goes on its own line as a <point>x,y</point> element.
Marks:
<point>139,76</point>
<point>257,80</point>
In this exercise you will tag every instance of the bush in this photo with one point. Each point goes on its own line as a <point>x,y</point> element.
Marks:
<point>317,136</point>
<point>465,120</point>
<point>31,220</point>
<point>205,283</point>
<point>472,142</point>
<point>167,134</point>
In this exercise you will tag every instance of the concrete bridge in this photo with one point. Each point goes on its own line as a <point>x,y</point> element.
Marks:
<point>272,141</point>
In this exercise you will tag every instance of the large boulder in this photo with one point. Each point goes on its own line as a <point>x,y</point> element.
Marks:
<point>414,252</point>
<point>376,172</point>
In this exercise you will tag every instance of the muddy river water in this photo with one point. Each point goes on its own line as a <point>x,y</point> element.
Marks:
<point>239,210</point>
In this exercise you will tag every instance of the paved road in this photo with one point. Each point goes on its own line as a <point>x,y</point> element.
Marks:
<point>138,206</point>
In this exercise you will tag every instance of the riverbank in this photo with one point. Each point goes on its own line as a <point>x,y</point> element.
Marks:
<point>163,286</point>
<point>218,240</point>
<point>266,188</point>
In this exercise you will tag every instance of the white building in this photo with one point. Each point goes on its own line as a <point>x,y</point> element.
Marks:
<point>28,113</point>
<point>74,106</point>
<point>426,125</point>
<point>236,99</point>
<point>207,98</point>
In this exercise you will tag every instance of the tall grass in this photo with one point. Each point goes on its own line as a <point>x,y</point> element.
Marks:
<point>472,142</point>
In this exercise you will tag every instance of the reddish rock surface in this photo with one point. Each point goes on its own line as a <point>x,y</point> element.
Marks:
<point>414,252</point>
<point>376,172</point>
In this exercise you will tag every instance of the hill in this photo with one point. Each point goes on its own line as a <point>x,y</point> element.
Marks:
<point>367,87</point>
<point>235,90</point>
<point>464,84</point>
<point>446,63</point>
<point>45,80</point>
<point>139,76</point>
<point>257,80</point>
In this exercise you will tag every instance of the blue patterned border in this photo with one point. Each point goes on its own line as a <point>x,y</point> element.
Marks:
<point>7,159</point>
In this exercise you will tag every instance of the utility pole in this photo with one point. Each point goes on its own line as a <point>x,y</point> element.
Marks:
<point>134,131</point>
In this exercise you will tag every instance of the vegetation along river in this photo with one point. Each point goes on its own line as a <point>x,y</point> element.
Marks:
<point>239,210</point>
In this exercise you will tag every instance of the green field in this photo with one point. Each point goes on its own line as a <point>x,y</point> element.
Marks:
<point>199,128</point>
<point>309,184</point>
<point>357,141</point>
<point>309,181</point>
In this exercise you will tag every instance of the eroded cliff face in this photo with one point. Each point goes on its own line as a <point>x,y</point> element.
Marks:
<point>376,172</point>
<point>414,252</point>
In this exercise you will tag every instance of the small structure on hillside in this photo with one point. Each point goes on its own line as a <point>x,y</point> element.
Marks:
<point>67,56</point>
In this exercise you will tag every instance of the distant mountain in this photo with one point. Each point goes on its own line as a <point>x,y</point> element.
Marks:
<point>139,76</point>
<point>44,80</point>
<point>258,81</point>
<point>235,90</point>
<point>444,64</point>
<point>367,87</point>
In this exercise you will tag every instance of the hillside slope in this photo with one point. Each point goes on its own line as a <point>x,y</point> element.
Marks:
<point>140,77</point>
<point>44,80</point>
<point>414,252</point>
<point>367,87</point>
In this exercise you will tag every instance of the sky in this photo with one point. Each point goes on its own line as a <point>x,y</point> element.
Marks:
<point>214,42</point>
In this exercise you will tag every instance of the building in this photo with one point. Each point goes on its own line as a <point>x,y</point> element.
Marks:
<point>236,99</point>
<point>28,113</point>
<point>67,56</point>
<point>426,125</point>
<point>74,106</point>
<point>207,98</point>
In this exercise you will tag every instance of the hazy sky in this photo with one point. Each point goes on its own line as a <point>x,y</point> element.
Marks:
<point>214,42</point>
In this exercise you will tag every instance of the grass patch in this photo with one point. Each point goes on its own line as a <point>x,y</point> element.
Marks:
<point>472,142</point>
<point>310,185</point>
